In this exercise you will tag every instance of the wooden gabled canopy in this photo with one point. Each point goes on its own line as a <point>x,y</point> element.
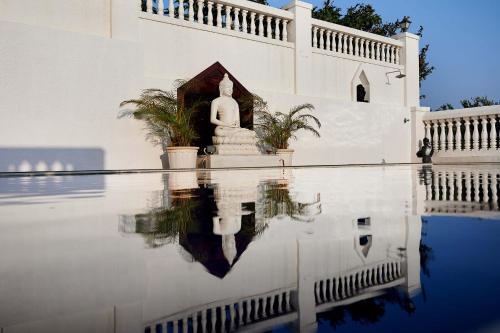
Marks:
<point>204,87</point>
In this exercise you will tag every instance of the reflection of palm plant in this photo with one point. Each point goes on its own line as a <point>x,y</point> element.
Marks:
<point>161,226</point>
<point>276,129</point>
<point>165,121</point>
<point>278,202</point>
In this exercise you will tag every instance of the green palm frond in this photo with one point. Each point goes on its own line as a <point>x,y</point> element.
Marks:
<point>165,121</point>
<point>276,129</point>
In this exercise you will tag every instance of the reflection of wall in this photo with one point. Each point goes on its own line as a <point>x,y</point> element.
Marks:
<point>51,159</point>
<point>72,262</point>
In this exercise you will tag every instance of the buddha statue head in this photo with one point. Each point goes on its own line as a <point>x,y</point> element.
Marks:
<point>226,86</point>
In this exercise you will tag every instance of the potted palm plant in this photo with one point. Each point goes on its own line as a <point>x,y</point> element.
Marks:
<point>167,124</point>
<point>277,129</point>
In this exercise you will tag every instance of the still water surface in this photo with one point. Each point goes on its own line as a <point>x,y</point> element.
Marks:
<point>375,249</point>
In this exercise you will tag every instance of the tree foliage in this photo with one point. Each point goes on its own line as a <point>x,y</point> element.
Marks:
<point>262,2</point>
<point>477,101</point>
<point>446,106</point>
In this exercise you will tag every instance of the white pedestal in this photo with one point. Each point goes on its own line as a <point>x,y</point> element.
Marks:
<point>241,161</point>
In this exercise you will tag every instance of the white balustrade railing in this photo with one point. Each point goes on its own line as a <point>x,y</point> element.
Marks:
<point>464,132</point>
<point>353,283</point>
<point>234,15</point>
<point>455,189</point>
<point>338,39</point>
<point>228,316</point>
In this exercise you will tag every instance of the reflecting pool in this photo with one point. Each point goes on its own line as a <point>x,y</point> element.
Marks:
<point>378,249</point>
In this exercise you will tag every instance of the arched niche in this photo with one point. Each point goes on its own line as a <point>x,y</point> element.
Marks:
<point>360,89</point>
<point>204,87</point>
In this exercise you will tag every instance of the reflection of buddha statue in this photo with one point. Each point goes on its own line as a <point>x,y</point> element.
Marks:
<point>230,138</point>
<point>227,223</point>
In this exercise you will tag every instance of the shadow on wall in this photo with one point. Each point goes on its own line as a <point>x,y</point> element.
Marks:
<point>51,159</point>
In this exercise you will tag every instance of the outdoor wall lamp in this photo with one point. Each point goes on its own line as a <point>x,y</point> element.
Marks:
<point>404,25</point>
<point>399,76</point>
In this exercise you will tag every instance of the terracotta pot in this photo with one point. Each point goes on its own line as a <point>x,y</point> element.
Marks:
<point>182,157</point>
<point>285,155</point>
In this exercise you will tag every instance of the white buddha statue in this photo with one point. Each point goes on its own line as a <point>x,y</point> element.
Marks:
<point>230,138</point>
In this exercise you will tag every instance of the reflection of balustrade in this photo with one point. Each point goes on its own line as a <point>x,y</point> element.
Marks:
<point>460,190</point>
<point>349,285</point>
<point>251,18</point>
<point>467,132</point>
<point>227,315</point>
<point>338,39</point>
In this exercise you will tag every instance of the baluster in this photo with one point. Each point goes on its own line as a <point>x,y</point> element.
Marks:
<point>232,317</point>
<point>200,11</point>
<point>195,323</point>
<point>328,36</point>
<point>190,11</point>
<point>252,23</point>
<point>441,136</point>
<point>459,186</point>
<point>214,318</point>
<point>321,41</point>
<point>484,176</point>
<point>372,50</point>
<point>334,41</point>
<point>363,48</point>
<point>467,145</point>
<point>357,49</point>
<point>324,290</point>
<point>344,43</point>
<point>315,33</point>
<point>468,188</point>
<point>285,30</point>
<point>435,186</point>
<point>444,177</point>
<point>339,42</point>
<point>494,191</point>
<point>475,133</point>
<point>244,23</point>
<point>149,6</point>
<point>377,51</point>
<point>398,49</point>
<point>393,54</point>
<point>277,28</point>
<point>180,9</point>
<point>228,17</point>
<point>287,301</point>
<point>484,133</point>
<point>184,322</point>
<point>236,21</point>
<point>210,16</point>
<point>449,135</point>
<point>452,185</point>
<point>171,8</point>
<point>493,133</point>
<point>384,52</point>
<point>161,8</point>
<point>269,30</point>
<point>476,186</point>
<point>351,51</point>
<point>219,14</point>
<point>458,135</point>
<point>261,25</point>
<point>176,325</point>
<point>248,306</point>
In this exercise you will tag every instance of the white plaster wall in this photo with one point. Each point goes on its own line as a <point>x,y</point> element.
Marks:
<point>89,16</point>
<point>351,132</point>
<point>63,89</point>
<point>175,52</point>
<point>332,77</point>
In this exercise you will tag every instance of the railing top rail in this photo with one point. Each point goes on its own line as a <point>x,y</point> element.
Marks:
<point>355,32</point>
<point>463,113</point>
<point>258,8</point>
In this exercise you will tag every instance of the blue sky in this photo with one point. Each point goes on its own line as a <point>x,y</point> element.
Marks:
<point>464,38</point>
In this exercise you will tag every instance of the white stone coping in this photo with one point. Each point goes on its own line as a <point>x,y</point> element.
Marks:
<point>357,58</point>
<point>463,113</point>
<point>258,8</point>
<point>214,29</point>
<point>355,32</point>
